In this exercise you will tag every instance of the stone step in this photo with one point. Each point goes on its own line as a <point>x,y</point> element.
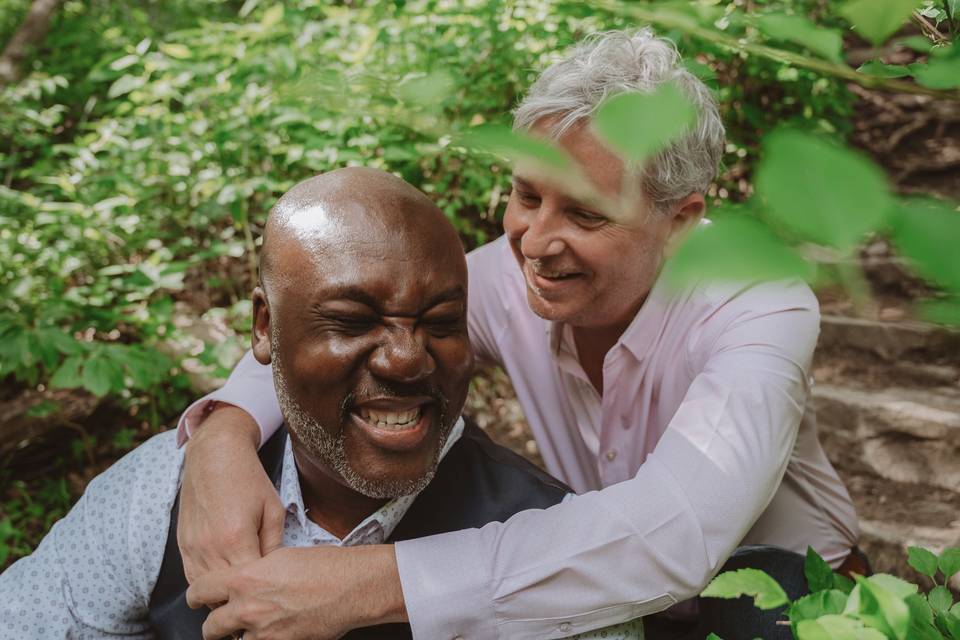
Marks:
<point>901,434</point>
<point>890,340</point>
<point>886,543</point>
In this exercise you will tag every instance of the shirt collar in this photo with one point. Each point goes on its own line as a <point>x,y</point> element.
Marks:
<point>386,517</point>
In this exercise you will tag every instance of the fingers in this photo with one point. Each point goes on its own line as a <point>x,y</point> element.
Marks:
<point>271,527</point>
<point>224,621</point>
<point>209,589</point>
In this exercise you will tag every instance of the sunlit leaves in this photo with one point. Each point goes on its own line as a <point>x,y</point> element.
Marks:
<point>272,16</point>
<point>101,374</point>
<point>799,30</point>
<point>637,125</point>
<point>734,248</point>
<point>767,594</point>
<point>876,20</point>
<point>882,609</point>
<point>942,70</point>
<point>175,50</point>
<point>824,193</point>
<point>124,85</point>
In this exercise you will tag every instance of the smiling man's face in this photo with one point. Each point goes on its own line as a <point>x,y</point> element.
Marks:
<point>366,328</point>
<point>583,263</point>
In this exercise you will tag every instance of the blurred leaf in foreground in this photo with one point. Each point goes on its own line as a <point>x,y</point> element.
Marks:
<point>928,233</point>
<point>877,20</point>
<point>800,30</point>
<point>737,248</point>
<point>427,90</point>
<point>637,125</point>
<point>826,194</point>
<point>834,627</point>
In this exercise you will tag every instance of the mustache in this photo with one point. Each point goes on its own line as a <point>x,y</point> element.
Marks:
<point>551,264</point>
<point>380,389</point>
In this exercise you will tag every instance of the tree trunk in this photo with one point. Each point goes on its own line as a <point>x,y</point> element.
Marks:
<point>30,34</point>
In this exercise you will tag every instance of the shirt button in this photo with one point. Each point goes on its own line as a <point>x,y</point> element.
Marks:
<point>611,455</point>
<point>564,627</point>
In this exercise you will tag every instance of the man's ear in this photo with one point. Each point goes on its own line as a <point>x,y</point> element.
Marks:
<point>684,218</point>
<point>261,327</point>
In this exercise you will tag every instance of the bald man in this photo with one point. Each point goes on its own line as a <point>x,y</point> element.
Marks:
<point>361,309</point>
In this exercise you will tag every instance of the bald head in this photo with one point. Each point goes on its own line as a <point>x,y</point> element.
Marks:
<point>355,208</point>
<point>363,310</point>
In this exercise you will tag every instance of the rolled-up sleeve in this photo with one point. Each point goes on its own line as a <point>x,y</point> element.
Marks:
<point>249,387</point>
<point>639,546</point>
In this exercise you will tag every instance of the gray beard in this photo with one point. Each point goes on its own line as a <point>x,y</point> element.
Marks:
<point>330,450</point>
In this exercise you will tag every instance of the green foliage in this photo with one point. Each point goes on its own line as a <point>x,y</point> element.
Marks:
<point>767,594</point>
<point>877,20</point>
<point>623,121</point>
<point>880,607</point>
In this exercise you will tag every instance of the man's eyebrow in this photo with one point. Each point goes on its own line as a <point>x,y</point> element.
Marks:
<point>355,294</point>
<point>520,183</point>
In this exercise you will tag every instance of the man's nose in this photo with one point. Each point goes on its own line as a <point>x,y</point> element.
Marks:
<point>542,236</point>
<point>402,356</point>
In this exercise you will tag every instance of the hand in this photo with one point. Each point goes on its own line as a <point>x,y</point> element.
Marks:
<point>319,593</point>
<point>230,513</point>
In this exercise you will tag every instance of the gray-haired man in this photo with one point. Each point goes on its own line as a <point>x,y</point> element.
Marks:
<point>680,415</point>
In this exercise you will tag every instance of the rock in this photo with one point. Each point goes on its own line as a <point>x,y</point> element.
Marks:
<point>890,340</point>
<point>905,435</point>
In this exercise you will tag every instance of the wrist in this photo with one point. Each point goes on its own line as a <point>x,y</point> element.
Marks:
<point>221,419</point>
<point>380,593</point>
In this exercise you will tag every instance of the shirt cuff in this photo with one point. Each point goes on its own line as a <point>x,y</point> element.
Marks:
<point>446,587</point>
<point>264,414</point>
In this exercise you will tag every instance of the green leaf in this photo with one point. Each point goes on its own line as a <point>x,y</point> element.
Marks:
<point>427,90</point>
<point>102,375</point>
<point>827,194</point>
<point>927,232</point>
<point>920,44</point>
<point>922,560</point>
<point>834,627</point>
<point>126,61</point>
<point>68,375</point>
<point>877,68</point>
<point>515,145</point>
<point>734,248</point>
<point>713,636</point>
<point>637,125</point>
<point>949,562</point>
<point>124,85</point>
<point>818,573</point>
<point>876,20</point>
<point>921,619</point>
<point>767,594</point>
<point>882,610</point>
<point>272,16</point>
<point>43,409</point>
<point>940,599</point>
<point>842,583</point>
<point>938,73</point>
<point>897,586</point>
<point>175,50</point>
<point>950,622</point>
<point>800,30</point>
<point>814,605</point>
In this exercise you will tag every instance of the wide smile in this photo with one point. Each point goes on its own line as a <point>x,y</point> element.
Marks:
<point>549,281</point>
<point>396,424</point>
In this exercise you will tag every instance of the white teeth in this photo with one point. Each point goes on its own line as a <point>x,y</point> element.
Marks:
<point>391,419</point>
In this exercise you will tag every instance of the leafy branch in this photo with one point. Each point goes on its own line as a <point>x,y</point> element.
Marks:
<point>674,19</point>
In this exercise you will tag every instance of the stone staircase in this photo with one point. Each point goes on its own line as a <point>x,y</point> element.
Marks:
<point>887,396</point>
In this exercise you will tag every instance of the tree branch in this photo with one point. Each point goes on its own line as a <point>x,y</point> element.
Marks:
<point>30,34</point>
<point>673,20</point>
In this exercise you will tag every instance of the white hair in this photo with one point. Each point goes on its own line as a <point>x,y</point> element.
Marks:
<point>605,64</point>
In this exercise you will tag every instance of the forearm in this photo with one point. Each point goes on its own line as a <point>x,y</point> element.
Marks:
<point>249,388</point>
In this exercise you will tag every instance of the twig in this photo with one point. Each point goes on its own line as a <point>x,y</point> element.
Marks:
<point>683,23</point>
<point>928,28</point>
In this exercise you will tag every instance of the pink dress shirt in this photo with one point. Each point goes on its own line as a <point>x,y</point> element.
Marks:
<point>701,442</point>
